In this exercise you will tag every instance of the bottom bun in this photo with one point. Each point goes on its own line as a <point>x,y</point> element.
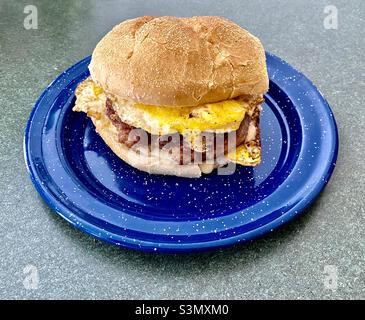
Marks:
<point>159,163</point>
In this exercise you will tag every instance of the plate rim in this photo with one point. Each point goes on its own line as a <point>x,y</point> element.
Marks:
<point>182,247</point>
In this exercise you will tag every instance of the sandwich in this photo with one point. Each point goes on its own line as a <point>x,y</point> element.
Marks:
<point>177,96</point>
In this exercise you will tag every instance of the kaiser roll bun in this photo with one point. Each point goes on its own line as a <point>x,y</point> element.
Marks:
<point>179,61</point>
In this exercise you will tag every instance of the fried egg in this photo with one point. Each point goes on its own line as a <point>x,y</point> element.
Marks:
<point>247,154</point>
<point>222,116</point>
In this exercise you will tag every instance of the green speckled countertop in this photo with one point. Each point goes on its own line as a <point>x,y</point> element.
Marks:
<point>293,262</point>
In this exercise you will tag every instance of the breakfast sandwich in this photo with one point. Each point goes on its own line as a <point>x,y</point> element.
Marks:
<point>177,96</point>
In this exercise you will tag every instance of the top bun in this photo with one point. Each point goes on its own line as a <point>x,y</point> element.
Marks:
<point>179,61</point>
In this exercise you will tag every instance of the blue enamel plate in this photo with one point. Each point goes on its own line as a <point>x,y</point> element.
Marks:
<point>84,182</point>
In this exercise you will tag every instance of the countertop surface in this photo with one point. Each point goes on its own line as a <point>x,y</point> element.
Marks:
<point>319,255</point>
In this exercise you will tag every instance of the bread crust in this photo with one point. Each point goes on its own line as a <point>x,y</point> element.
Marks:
<point>179,61</point>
